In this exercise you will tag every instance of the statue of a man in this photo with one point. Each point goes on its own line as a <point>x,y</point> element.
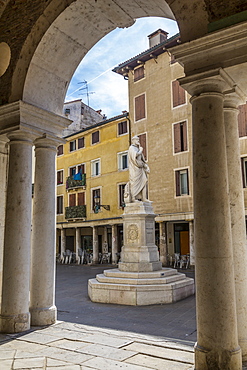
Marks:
<point>136,188</point>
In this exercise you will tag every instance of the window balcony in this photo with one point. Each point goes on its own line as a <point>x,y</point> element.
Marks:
<point>72,182</point>
<point>75,212</point>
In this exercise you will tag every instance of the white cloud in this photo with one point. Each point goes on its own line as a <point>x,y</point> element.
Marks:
<point>110,91</point>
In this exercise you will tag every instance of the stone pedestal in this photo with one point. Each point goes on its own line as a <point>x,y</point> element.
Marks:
<point>139,252</point>
<point>140,279</point>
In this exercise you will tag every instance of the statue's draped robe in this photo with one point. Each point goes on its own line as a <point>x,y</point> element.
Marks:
<point>137,172</point>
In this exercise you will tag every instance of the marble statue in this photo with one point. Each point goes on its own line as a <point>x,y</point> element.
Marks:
<point>136,188</point>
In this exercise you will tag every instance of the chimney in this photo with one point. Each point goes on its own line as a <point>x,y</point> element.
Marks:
<point>157,37</point>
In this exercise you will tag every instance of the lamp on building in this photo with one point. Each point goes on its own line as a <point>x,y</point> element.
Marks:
<point>98,205</point>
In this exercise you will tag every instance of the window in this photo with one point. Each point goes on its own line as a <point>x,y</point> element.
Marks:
<point>72,145</point>
<point>143,144</point>
<point>72,200</point>
<point>242,120</point>
<point>178,94</point>
<point>182,182</point>
<point>72,171</point>
<point>140,110</point>
<point>67,111</point>
<point>122,128</point>
<point>139,73</point>
<point>81,142</point>
<point>123,161</point>
<point>59,205</point>
<point>95,137</point>
<point>81,168</point>
<point>244,171</point>
<point>121,195</point>
<point>180,137</point>
<point>95,167</point>
<point>59,177</point>
<point>81,199</point>
<point>60,150</point>
<point>95,193</point>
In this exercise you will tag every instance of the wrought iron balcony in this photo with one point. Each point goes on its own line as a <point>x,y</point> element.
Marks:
<point>71,183</point>
<point>75,212</point>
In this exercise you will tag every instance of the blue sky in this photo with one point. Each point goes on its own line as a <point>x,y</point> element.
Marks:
<point>108,90</point>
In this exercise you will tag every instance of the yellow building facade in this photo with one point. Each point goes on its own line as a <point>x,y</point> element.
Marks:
<point>92,170</point>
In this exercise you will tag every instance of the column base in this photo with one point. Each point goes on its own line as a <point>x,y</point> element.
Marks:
<point>15,323</point>
<point>217,358</point>
<point>43,316</point>
<point>243,345</point>
<point>140,266</point>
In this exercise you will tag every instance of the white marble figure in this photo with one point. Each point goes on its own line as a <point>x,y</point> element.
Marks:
<point>136,188</point>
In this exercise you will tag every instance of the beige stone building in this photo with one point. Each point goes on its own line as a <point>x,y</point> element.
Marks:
<point>42,43</point>
<point>161,115</point>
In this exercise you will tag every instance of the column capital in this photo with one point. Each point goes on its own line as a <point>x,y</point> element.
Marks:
<point>20,115</point>
<point>21,135</point>
<point>48,142</point>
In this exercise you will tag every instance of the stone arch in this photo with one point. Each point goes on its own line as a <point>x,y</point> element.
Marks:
<point>57,35</point>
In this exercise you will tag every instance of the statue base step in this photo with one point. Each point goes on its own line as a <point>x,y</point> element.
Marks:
<point>140,288</point>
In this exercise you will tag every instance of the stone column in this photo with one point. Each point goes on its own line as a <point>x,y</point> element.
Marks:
<point>15,315</point>
<point>237,215</point>
<point>95,245</point>
<point>192,245</point>
<point>217,342</point>
<point>42,291</point>
<point>77,241</point>
<point>63,241</point>
<point>163,243</point>
<point>3,187</point>
<point>114,244</point>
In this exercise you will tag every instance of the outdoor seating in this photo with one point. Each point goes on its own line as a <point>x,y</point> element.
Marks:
<point>177,259</point>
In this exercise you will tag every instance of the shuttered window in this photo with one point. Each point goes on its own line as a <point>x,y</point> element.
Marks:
<point>242,120</point>
<point>60,177</point>
<point>180,137</point>
<point>72,171</point>
<point>138,73</point>
<point>81,143</point>
<point>140,107</point>
<point>178,94</point>
<point>81,199</point>
<point>59,205</point>
<point>72,200</point>
<point>81,168</point>
<point>60,150</point>
<point>95,137</point>
<point>182,182</point>
<point>143,144</point>
<point>244,171</point>
<point>122,128</point>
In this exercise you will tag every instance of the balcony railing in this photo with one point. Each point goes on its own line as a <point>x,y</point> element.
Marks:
<point>71,183</point>
<point>75,212</point>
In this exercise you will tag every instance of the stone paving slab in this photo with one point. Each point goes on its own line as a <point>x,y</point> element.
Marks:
<point>157,351</point>
<point>158,363</point>
<point>69,346</point>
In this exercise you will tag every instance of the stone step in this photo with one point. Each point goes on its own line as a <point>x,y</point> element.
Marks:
<point>141,275</point>
<point>118,279</point>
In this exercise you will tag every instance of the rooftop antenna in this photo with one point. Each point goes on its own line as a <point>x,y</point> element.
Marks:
<point>85,87</point>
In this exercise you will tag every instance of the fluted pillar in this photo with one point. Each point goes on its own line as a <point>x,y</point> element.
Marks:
<point>15,315</point>
<point>95,245</point>
<point>114,244</point>
<point>217,342</point>
<point>237,215</point>
<point>163,243</point>
<point>42,291</point>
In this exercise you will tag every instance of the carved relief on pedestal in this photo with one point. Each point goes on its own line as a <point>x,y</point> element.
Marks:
<point>132,232</point>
